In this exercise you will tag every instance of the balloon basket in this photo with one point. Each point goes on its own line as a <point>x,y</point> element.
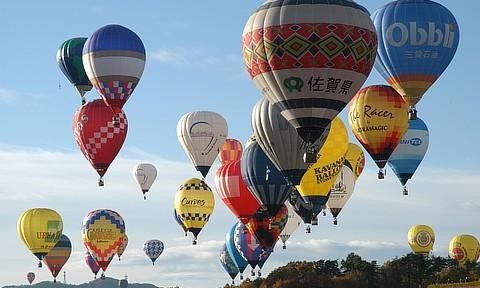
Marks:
<point>101,183</point>
<point>308,230</point>
<point>310,157</point>
<point>405,191</point>
<point>335,222</point>
<point>252,273</point>
<point>40,264</point>
<point>381,174</point>
<point>241,277</point>
<point>259,273</point>
<point>412,114</point>
<point>284,247</point>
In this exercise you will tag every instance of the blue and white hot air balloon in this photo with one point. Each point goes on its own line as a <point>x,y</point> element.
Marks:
<point>237,258</point>
<point>409,153</point>
<point>153,249</point>
<point>417,40</point>
<point>114,60</point>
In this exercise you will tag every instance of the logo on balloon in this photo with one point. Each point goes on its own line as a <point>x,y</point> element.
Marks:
<point>398,34</point>
<point>423,239</point>
<point>293,83</point>
<point>413,141</point>
<point>193,202</point>
<point>458,253</point>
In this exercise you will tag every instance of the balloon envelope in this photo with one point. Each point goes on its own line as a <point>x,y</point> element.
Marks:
<point>267,229</point>
<point>341,191</point>
<point>98,137</point>
<point>292,225</point>
<point>227,263</point>
<point>247,244</point>
<point>153,249</point>
<point>464,248</point>
<point>145,174</point>
<point>92,264</point>
<point>69,59</point>
<point>417,41</point>
<point>263,179</point>
<point>40,229</point>
<point>308,58</point>
<point>233,191</point>
<point>114,59</point>
<point>122,247</point>
<point>230,151</point>
<point>237,258</point>
<point>280,141</point>
<point>58,256</point>
<point>421,239</point>
<point>103,245</point>
<point>202,134</point>
<point>355,159</point>
<point>408,155</point>
<point>30,277</point>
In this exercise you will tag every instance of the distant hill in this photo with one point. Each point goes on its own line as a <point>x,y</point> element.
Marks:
<point>98,283</point>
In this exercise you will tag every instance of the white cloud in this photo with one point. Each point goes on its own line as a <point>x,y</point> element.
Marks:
<point>163,55</point>
<point>182,57</point>
<point>9,96</point>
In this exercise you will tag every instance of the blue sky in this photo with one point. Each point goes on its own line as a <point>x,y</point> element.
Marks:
<point>194,63</point>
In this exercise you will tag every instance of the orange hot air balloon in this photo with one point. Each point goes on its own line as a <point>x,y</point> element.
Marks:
<point>267,229</point>
<point>378,117</point>
<point>230,151</point>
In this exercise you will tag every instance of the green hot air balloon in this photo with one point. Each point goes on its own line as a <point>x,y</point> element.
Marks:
<point>69,58</point>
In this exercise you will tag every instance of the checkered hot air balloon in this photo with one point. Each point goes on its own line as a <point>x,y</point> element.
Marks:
<point>103,231</point>
<point>248,245</point>
<point>58,256</point>
<point>69,59</point>
<point>267,229</point>
<point>153,249</point>
<point>378,117</point>
<point>233,191</point>
<point>309,58</point>
<point>417,41</point>
<point>194,202</point>
<point>98,137</point>
<point>114,59</point>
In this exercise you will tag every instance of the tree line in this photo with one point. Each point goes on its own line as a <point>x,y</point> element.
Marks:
<point>409,271</point>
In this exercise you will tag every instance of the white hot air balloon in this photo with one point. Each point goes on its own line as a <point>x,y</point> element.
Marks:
<point>145,175</point>
<point>341,191</point>
<point>292,225</point>
<point>202,134</point>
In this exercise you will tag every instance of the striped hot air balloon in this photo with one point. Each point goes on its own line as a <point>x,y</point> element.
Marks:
<point>58,256</point>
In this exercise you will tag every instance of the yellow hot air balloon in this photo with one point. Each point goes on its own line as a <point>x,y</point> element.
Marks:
<point>378,117</point>
<point>464,248</point>
<point>319,178</point>
<point>40,229</point>
<point>194,203</point>
<point>421,239</point>
<point>355,159</point>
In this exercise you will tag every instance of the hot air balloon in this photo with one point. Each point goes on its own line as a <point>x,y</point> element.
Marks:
<point>267,229</point>
<point>194,202</point>
<point>279,140</point>
<point>202,134</point>
<point>319,178</point>
<point>227,264</point>
<point>408,155</point>
<point>421,239</point>
<point>145,175</point>
<point>230,151</point>
<point>263,258</point>
<point>103,232</point>
<point>309,59</point>
<point>122,247</point>
<point>179,221</point>
<point>153,249</point>
<point>341,191</point>
<point>40,229</point>
<point>237,258</point>
<point>30,277</point>
<point>292,225</point>
<point>417,41</point>
<point>58,256</point>
<point>464,248</point>
<point>263,179</point>
<point>234,193</point>
<point>69,59</point>
<point>248,245</point>
<point>378,118</point>
<point>303,209</point>
<point>355,159</point>
<point>114,59</point>
<point>98,137</point>
<point>92,264</point>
